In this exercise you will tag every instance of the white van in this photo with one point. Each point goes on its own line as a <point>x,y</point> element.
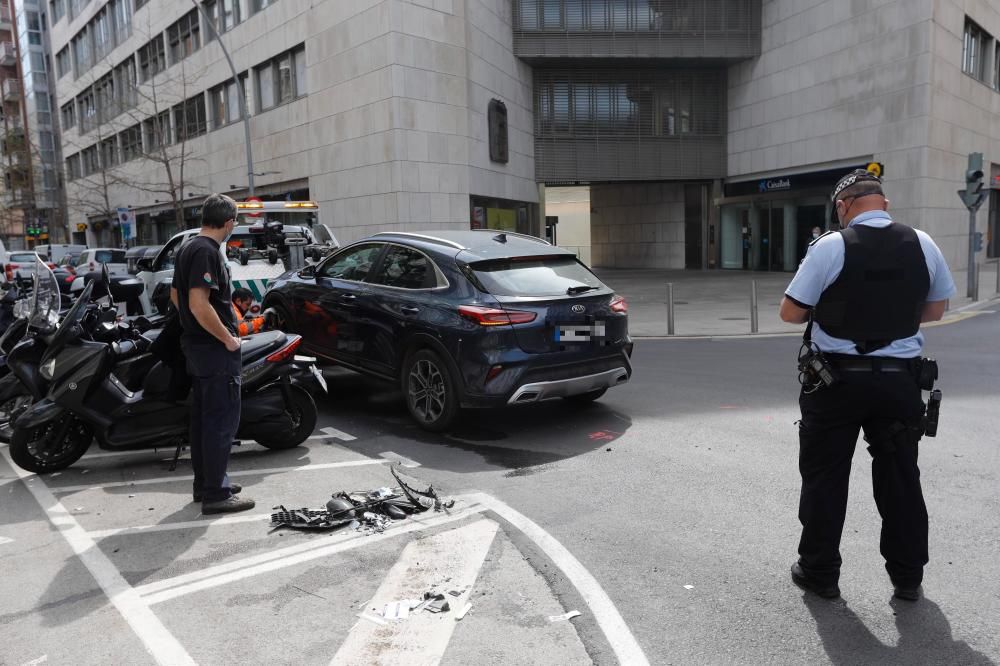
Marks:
<point>92,258</point>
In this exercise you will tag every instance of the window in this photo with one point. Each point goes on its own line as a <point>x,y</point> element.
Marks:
<point>224,102</point>
<point>89,162</point>
<point>131,142</point>
<point>56,10</point>
<point>257,5</point>
<point>497,125</point>
<point>104,39</point>
<point>68,114</point>
<point>542,276</point>
<point>34,28</point>
<point>281,80</point>
<point>353,264</point>
<point>87,110</point>
<point>63,62</point>
<point>121,18</point>
<point>189,118</point>
<point>974,49</point>
<point>75,7</point>
<point>184,36</point>
<point>107,100</point>
<point>996,67</point>
<point>126,84</point>
<point>109,153</point>
<point>83,53</point>
<point>406,268</point>
<point>73,167</point>
<point>152,59</point>
<point>157,132</point>
<point>37,60</point>
<point>224,14</point>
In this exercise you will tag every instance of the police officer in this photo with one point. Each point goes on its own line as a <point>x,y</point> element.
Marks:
<point>864,290</point>
<point>201,292</point>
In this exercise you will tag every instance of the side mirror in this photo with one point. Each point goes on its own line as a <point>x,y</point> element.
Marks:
<point>144,264</point>
<point>308,272</point>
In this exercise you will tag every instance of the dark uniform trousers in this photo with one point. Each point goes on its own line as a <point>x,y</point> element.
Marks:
<point>215,414</point>
<point>879,403</point>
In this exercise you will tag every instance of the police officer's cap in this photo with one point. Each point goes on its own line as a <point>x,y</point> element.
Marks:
<point>855,177</point>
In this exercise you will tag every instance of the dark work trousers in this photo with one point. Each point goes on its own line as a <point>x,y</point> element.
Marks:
<point>828,433</point>
<point>215,414</point>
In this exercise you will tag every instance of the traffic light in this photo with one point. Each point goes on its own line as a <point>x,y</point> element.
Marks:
<point>973,194</point>
<point>978,241</point>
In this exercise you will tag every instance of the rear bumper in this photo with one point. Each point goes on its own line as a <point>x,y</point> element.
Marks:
<point>561,388</point>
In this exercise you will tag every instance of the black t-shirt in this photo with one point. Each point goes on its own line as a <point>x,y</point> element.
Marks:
<point>199,264</point>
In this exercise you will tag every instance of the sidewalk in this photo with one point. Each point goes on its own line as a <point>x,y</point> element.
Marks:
<point>717,302</point>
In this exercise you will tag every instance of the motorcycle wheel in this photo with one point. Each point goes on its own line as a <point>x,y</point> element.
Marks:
<point>51,446</point>
<point>303,416</point>
<point>10,409</point>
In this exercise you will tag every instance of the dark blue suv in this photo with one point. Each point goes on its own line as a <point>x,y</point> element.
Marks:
<point>461,319</point>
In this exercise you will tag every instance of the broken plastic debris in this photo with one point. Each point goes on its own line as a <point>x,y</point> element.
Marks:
<point>397,610</point>
<point>372,618</point>
<point>565,616</point>
<point>461,613</point>
<point>689,587</point>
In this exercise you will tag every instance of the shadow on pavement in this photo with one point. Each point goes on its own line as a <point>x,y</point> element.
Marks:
<point>924,635</point>
<point>518,438</point>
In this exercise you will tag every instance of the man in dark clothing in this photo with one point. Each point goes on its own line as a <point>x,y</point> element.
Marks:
<point>865,291</point>
<point>202,293</point>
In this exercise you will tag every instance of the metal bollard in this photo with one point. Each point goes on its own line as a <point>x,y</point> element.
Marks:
<point>753,306</point>
<point>670,308</point>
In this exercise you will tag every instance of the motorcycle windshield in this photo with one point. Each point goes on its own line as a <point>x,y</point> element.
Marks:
<point>45,300</point>
<point>68,329</point>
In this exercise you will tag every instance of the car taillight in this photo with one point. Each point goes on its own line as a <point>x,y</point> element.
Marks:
<point>495,317</point>
<point>9,270</point>
<point>285,352</point>
<point>69,278</point>
<point>618,304</point>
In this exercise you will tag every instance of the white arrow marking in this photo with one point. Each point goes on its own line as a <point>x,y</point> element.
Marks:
<point>338,434</point>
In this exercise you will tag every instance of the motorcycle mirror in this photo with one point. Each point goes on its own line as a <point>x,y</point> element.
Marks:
<point>308,272</point>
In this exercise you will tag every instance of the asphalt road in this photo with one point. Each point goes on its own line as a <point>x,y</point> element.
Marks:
<point>674,499</point>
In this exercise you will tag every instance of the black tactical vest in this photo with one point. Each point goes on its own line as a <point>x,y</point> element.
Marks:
<point>880,293</point>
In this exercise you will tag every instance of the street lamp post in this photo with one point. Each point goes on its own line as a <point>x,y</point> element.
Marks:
<point>239,88</point>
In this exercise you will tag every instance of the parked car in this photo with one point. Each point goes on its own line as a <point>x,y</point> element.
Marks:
<point>21,264</point>
<point>92,258</point>
<point>69,261</point>
<point>461,319</point>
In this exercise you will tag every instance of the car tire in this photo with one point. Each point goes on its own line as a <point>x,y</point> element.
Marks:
<point>283,319</point>
<point>430,391</point>
<point>586,398</point>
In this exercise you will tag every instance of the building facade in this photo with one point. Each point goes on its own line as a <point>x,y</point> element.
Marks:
<point>378,110</point>
<point>707,133</point>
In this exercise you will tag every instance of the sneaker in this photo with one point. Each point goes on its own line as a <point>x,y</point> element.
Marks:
<point>234,488</point>
<point>800,578</point>
<point>230,505</point>
<point>907,592</point>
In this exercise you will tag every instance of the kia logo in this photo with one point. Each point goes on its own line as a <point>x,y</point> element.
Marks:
<point>578,309</point>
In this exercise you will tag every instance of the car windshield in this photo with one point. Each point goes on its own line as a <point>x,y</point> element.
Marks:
<point>22,257</point>
<point>535,276</point>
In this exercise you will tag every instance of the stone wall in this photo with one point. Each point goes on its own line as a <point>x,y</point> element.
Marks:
<point>637,225</point>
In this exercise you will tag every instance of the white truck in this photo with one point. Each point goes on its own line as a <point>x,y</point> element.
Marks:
<point>157,273</point>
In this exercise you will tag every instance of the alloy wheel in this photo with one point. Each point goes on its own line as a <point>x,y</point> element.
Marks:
<point>427,391</point>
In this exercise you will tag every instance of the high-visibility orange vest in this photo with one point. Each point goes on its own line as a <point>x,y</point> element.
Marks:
<point>247,327</point>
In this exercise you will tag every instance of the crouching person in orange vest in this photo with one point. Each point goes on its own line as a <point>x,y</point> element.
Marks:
<point>242,300</point>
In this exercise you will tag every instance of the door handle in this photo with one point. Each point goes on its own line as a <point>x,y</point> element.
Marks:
<point>349,298</point>
<point>409,309</point>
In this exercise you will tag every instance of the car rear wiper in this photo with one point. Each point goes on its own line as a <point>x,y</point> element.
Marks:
<point>580,289</point>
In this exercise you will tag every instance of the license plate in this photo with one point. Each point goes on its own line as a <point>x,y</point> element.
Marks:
<point>568,333</point>
<point>319,377</point>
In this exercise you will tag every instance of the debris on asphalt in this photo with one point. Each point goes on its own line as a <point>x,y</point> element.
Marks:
<point>372,618</point>
<point>564,617</point>
<point>371,511</point>
<point>689,587</point>
<point>462,613</point>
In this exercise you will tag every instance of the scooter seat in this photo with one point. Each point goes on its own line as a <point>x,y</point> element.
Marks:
<point>256,347</point>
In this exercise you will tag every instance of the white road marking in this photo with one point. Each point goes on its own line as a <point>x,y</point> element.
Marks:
<point>183,525</point>
<point>608,618</point>
<point>190,477</point>
<point>392,456</point>
<point>4,540</point>
<point>338,434</point>
<point>35,662</point>
<point>159,642</point>
<point>167,453</point>
<point>196,581</point>
<point>421,638</point>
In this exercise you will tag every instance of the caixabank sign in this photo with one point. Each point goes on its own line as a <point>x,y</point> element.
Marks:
<point>812,180</point>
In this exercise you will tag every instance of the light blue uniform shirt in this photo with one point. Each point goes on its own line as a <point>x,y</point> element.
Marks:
<point>825,259</point>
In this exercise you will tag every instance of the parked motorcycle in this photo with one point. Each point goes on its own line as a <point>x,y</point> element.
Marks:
<point>87,399</point>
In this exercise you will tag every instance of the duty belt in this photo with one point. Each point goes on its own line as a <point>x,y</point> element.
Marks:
<point>847,363</point>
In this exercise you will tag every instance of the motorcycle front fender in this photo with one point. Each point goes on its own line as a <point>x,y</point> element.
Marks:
<point>39,413</point>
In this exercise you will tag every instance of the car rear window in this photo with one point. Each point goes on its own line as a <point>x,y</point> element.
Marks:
<point>533,276</point>
<point>22,257</point>
<point>109,256</point>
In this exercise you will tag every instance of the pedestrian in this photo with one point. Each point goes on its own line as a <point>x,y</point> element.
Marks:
<point>864,291</point>
<point>201,292</point>
<point>816,233</point>
<point>242,300</point>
